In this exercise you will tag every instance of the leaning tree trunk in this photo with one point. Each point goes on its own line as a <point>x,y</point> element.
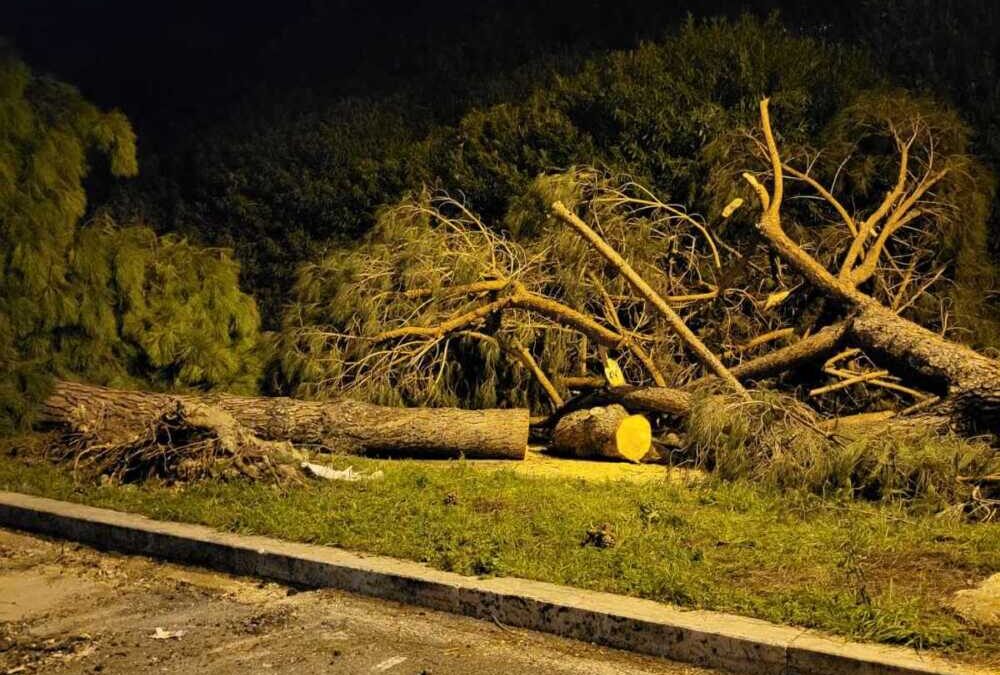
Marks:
<point>342,425</point>
<point>608,433</point>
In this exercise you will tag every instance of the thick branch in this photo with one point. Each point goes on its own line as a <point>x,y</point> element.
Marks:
<point>447,327</point>
<point>523,299</point>
<point>763,339</point>
<point>970,380</point>
<point>612,315</point>
<point>805,351</point>
<point>770,227</point>
<point>703,353</point>
<point>864,271</point>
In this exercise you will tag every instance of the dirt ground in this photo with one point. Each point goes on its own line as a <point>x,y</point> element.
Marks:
<point>70,609</point>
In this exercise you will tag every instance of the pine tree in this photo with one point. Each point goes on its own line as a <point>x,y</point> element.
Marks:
<point>109,304</point>
<point>677,117</point>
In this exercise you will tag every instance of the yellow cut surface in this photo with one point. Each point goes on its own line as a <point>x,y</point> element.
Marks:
<point>634,437</point>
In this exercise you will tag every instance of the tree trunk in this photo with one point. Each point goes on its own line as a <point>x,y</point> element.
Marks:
<point>661,400</point>
<point>968,382</point>
<point>609,433</point>
<point>342,425</point>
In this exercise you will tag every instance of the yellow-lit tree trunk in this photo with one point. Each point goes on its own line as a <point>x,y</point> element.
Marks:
<point>116,416</point>
<point>603,432</point>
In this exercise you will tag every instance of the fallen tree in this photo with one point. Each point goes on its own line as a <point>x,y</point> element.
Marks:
<point>115,424</point>
<point>444,299</point>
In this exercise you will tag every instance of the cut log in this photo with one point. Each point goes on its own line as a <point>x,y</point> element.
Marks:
<point>341,425</point>
<point>609,433</point>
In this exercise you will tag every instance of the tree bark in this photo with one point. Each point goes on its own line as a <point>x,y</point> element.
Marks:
<point>609,433</point>
<point>968,382</point>
<point>341,425</point>
<point>661,400</point>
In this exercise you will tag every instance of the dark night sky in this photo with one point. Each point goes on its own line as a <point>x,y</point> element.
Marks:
<point>164,61</point>
<point>179,68</point>
<point>161,61</point>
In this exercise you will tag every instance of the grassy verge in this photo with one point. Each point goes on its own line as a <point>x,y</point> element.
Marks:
<point>866,571</point>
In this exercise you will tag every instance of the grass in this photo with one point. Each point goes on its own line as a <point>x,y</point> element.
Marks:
<point>867,571</point>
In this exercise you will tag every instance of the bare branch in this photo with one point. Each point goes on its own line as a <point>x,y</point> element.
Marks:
<point>519,351</point>
<point>825,194</point>
<point>676,323</point>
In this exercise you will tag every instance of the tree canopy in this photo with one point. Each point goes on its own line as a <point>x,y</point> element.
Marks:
<point>676,118</point>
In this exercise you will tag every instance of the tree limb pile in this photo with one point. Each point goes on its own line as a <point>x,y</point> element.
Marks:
<point>864,271</point>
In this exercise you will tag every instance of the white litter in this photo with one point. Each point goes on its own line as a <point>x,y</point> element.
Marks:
<point>387,664</point>
<point>160,634</point>
<point>348,474</point>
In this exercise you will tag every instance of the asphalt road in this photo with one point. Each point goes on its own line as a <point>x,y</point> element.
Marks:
<point>70,609</point>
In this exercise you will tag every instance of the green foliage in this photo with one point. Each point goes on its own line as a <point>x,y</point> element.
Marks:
<point>114,305</point>
<point>858,148</point>
<point>411,270</point>
<point>775,440</point>
<point>280,189</point>
<point>160,310</point>
<point>654,113</point>
<point>287,173</point>
<point>666,115</point>
<point>359,292</point>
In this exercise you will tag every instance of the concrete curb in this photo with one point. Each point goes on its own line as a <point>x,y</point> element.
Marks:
<point>705,638</point>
